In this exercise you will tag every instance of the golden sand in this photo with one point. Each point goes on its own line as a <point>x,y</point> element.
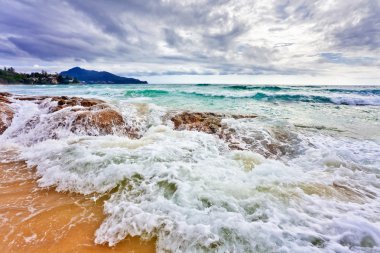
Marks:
<point>40,220</point>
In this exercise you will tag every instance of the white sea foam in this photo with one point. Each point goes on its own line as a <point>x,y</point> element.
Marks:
<point>195,194</point>
<point>356,100</point>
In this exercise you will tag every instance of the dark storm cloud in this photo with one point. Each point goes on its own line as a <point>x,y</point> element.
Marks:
<point>194,36</point>
<point>43,32</point>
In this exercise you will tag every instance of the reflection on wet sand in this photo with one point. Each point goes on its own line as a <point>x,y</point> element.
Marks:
<point>40,220</point>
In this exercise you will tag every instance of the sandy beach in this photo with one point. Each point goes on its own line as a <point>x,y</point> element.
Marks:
<point>43,220</point>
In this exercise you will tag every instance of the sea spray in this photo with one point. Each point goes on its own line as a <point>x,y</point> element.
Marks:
<point>194,192</point>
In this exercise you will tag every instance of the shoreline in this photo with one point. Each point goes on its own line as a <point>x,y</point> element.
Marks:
<point>35,219</point>
<point>177,174</point>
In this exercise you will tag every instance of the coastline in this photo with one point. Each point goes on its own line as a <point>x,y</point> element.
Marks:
<point>44,220</point>
<point>168,168</point>
<point>36,219</point>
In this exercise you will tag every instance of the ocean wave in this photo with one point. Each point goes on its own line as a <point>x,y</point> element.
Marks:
<point>354,91</point>
<point>368,100</point>
<point>251,87</point>
<point>283,97</point>
<point>266,97</point>
<point>193,193</point>
<point>145,93</point>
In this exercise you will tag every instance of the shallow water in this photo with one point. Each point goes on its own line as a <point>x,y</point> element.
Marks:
<point>42,220</point>
<point>305,180</point>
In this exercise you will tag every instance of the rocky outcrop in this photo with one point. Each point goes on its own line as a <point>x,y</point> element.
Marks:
<point>273,143</point>
<point>91,116</point>
<point>86,116</point>
<point>79,115</point>
<point>207,122</point>
<point>199,121</point>
<point>6,112</point>
<point>210,123</point>
<point>64,102</point>
<point>99,122</point>
<point>4,97</point>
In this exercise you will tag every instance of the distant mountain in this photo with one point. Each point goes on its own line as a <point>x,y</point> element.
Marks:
<point>92,76</point>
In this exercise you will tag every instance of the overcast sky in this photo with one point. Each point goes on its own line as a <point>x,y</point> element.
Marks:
<point>225,41</point>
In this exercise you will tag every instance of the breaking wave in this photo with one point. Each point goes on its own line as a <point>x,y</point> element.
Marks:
<point>368,100</point>
<point>251,87</point>
<point>284,188</point>
<point>271,94</point>
<point>145,93</point>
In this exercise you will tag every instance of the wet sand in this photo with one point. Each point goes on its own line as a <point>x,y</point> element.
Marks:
<point>43,220</point>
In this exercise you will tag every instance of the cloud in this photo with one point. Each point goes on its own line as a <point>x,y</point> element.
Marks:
<point>339,58</point>
<point>363,30</point>
<point>196,37</point>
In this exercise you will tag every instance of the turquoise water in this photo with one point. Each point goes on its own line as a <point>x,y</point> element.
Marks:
<point>352,109</point>
<point>305,177</point>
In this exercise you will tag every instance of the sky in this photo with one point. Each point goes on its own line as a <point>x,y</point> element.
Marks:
<point>193,41</point>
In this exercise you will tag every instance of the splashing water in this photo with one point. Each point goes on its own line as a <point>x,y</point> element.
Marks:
<point>304,178</point>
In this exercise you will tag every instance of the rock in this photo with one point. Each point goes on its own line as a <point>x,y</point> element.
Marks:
<point>6,112</point>
<point>5,94</point>
<point>93,117</point>
<point>207,122</point>
<point>64,102</point>
<point>200,121</point>
<point>210,123</point>
<point>274,146</point>
<point>98,122</point>
<point>81,115</point>
<point>34,98</point>
<point>4,97</point>
<point>6,116</point>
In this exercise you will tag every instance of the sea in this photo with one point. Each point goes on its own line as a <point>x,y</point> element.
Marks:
<point>305,178</point>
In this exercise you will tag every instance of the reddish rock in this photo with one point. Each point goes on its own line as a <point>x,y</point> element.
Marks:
<point>84,116</point>
<point>207,122</point>
<point>4,97</point>
<point>204,122</point>
<point>64,102</point>
<point>27,98</point>
<point>98,122</point>
<point>6,116</point>
<point>5,94</point>
<point>211,123</point>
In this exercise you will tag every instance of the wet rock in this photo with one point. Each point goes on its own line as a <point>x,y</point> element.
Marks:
<point>207,122</point>
<point>6,116</point>
<point>64,102</point>
<point>6,112</point>
<point>81,115</point>
<point>4,97</point>
<point>92,117</point>
<point>273,143</point>
<point>99,122</point>
<point>204,122</point>
<point>210,123</point>
<point>27,98</point>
